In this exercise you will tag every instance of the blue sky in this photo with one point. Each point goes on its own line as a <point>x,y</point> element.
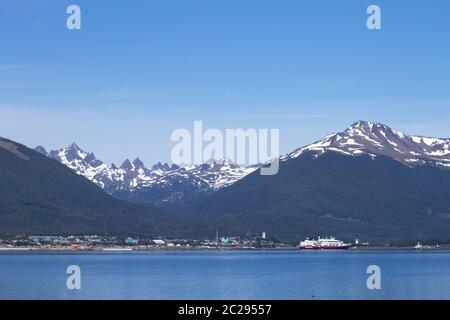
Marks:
<point>140,69</point>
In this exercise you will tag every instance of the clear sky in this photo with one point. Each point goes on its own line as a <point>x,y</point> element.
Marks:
<point>139,69</point>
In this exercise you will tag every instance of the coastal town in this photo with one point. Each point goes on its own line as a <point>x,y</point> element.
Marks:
<point>133,243</point>
<point>109,243</point>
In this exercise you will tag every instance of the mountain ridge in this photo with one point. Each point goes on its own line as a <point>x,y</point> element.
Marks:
<point>165,184</point>
<point>353,184</point>
<point>374,139</point>
<point>41,196</point>
<point>161,183</point>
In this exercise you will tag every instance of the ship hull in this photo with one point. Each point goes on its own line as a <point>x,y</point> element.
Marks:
<point>343,247</point>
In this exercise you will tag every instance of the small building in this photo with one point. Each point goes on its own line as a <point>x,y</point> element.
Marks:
<point>131,241</point>
<point>159,242</point>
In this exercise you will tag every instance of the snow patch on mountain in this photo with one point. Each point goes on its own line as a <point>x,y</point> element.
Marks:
<point>134,176</point>
<point>376,139</point>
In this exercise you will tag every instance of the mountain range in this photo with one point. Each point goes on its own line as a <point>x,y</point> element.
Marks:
<point>160,184</point>
<point>163,183</point>
<point>368,181</point>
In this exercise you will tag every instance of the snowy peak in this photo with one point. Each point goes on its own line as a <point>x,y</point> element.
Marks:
<point>378,139</point>
<point>70,153</point>
<point>218,165</point>
<point>132,177</point>
<point>138,164</point>
<point>162,167</point>
<point>74,152</point>
<point>220,173</point>
<point>92,160</point>
<point>126,165</point>
<point>75,158</point>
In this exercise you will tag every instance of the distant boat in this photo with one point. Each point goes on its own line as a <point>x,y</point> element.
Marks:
<point>418,246</point>
<point>323,243</point>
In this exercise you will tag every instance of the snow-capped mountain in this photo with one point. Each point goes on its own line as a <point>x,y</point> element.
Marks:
<point>85,164</point>
<point>376,139</point>
<point>368,181</point>
<point>161,183</point>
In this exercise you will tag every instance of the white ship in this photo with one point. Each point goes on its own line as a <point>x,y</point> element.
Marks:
<point>323,243</point>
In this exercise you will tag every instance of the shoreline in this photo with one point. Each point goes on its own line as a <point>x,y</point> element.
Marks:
<point>159,250</point>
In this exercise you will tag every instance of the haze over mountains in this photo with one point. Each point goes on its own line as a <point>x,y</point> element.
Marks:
<point>368,181</point>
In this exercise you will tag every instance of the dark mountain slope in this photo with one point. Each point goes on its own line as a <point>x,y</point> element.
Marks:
<point>41,196</point>
<point>376,199</point>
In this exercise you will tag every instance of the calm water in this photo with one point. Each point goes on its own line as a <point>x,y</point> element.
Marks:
<point>226,275</point>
